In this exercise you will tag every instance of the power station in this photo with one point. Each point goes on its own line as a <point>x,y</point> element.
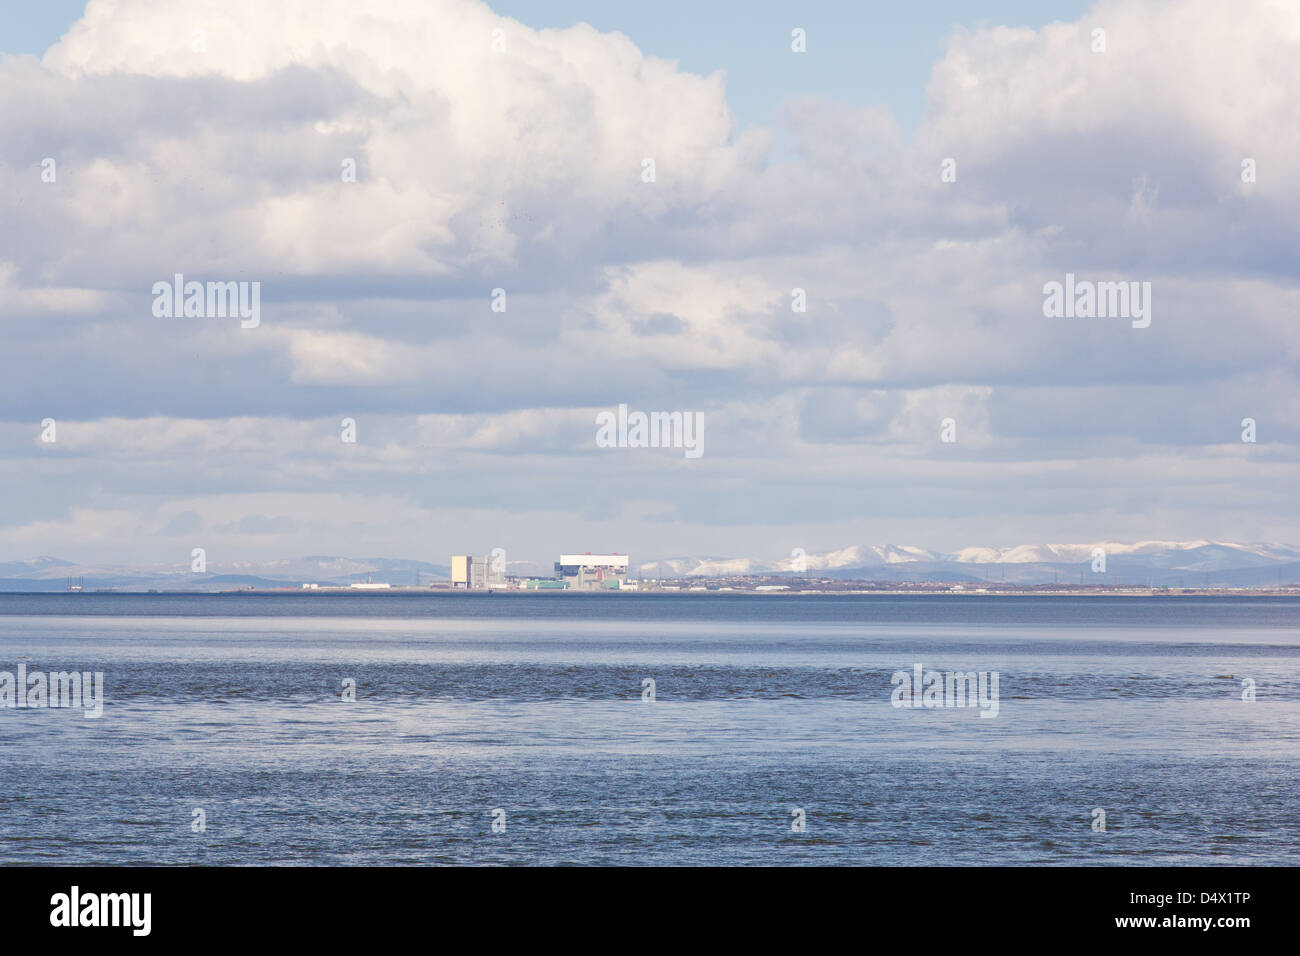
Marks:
<point>592,572</point>
<point>474,572</point>
<point>577,572</point>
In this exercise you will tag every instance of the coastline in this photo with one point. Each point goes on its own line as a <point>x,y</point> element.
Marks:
<point>698,592</point>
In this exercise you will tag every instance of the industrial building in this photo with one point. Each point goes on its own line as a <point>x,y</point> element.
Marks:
<point>476,572</point>
<point>592,572</point>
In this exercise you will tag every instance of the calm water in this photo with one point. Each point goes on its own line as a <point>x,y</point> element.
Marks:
<point>533,704</point>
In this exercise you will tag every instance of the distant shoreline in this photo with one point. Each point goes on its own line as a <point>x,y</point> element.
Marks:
<point>688,593</point>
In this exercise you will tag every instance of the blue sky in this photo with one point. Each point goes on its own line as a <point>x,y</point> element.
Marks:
<point>827,257</point>
<point>858,52</point>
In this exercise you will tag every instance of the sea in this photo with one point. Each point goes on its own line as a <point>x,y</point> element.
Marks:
<point>337,729</point>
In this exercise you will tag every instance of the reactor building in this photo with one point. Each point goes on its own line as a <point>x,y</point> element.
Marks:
<point>592,572</point>
<point>475,572</point>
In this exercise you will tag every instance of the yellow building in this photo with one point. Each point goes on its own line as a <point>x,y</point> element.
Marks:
<point>460,570</point>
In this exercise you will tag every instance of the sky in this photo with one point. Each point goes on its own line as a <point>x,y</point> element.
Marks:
<point>826,254</point>
<point>864,53</point>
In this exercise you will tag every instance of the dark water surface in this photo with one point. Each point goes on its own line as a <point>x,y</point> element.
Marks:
<point>764,704</point>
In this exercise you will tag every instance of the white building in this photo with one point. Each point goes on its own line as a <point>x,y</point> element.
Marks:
<point>592,571</point>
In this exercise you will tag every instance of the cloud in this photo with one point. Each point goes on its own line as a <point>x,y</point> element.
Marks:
<point>223,154</point>
<point>185,523</point>
<point>259,524</point>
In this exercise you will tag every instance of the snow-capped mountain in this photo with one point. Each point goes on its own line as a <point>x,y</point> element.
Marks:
<point>33,566</point>
<point>1190,555</point>
<point>851,557</point>
<point>1165,562</point>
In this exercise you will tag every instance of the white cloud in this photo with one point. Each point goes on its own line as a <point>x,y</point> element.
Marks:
<point>522,170</point>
